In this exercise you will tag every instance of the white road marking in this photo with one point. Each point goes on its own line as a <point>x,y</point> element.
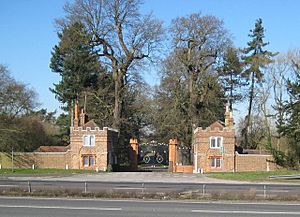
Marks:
<point>245,212</point>
<point>62,207</point>
<point>9,185</point>
<point>272,203</point>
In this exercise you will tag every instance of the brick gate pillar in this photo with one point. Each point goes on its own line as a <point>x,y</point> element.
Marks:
<point>134,151</point>
<point>172,155</point>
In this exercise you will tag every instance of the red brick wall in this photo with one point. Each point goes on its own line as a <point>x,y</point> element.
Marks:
<point>184,169</point>
<point>52,160</point>
<point>250,162</point>
<point>57,160</point>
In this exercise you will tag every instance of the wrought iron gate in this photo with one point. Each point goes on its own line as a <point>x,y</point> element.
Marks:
<point>153,153</point>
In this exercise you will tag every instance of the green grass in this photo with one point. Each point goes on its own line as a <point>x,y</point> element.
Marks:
<point>252,176</point>
<point>43,171</point>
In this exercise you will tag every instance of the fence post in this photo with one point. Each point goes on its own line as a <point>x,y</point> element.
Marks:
<point>203,190</point>
<point>143,186</point>
<point>265,191</point>
<point>29,187</point>
<point>85,187</point>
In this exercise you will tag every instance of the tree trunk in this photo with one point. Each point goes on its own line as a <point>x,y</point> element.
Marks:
<point>118,101</point>
<point>249,109</point>
<point>192,101</point>
<point>231,92</point>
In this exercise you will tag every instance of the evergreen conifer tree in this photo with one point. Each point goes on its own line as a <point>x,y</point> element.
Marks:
<point>255,58</point>
<point>74,60</point>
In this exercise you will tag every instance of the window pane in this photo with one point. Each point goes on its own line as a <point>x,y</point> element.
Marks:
<point>85,140</point>
<point>92,161</point>
<point>92,140</point>
<point>218,162</point>
<point>85,161</point>
<point>219,141</point>
<point>212,142</point>
<point>212,162</point>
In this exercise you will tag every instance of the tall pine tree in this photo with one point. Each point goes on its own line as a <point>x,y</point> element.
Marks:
<point>75,62</point>
<point>255,58</point>
<point>230,72</point>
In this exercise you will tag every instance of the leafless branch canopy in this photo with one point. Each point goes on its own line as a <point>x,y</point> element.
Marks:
<point>15,97</point>
<point>200,40</point>
<point>119,33</point>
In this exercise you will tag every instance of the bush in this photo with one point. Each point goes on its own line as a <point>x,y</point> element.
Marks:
<point>109,168</point>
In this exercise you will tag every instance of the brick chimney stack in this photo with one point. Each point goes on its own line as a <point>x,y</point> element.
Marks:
<point>76,114</point>
<point>229,122</point>
<point>82,118</point>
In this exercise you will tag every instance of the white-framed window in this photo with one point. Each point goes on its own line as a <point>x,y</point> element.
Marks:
<point>216,142</point>
<point>215,162</point>
<point>88,140</point>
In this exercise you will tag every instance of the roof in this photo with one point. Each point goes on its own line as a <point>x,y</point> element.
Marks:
<point>217,125</point>
<point>91,124</point>
<point>52,149</point>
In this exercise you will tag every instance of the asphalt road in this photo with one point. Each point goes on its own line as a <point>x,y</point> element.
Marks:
<point>45,207</point>
<point>154,187</point>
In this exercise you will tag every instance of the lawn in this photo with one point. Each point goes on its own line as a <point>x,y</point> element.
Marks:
<point>43,171</point>
<point>253,176</point>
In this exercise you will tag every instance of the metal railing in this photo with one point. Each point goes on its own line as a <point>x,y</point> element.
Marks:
<point>200,190</point>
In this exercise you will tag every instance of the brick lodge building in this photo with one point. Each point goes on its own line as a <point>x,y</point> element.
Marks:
<point>214,150</point>
<point>90,148</point>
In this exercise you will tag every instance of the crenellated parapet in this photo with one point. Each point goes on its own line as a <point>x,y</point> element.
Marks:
<point>90,146</point>
<point>214,146</point>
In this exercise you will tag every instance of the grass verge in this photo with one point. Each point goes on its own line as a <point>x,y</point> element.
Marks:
<point>109,194</point>
<point>253,176</point>
<point>42,171</point>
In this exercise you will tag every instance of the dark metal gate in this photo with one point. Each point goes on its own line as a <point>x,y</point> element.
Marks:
<point>153,153</point>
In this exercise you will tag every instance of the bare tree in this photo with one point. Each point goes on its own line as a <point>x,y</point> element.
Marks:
<point>15,97</point>
<point>280,72</point>
<point>16,101</point>
<point>271,98</point>
<point>199,42</point>
<point>122,37</point>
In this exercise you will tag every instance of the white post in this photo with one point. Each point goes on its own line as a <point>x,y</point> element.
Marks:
<point>85,187</point>
<point>196,159</point>
<point>29,187</point>
<point>12,159</point>
<point>67,166</point>
<point>203,190</point>
<point>33,167</point>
